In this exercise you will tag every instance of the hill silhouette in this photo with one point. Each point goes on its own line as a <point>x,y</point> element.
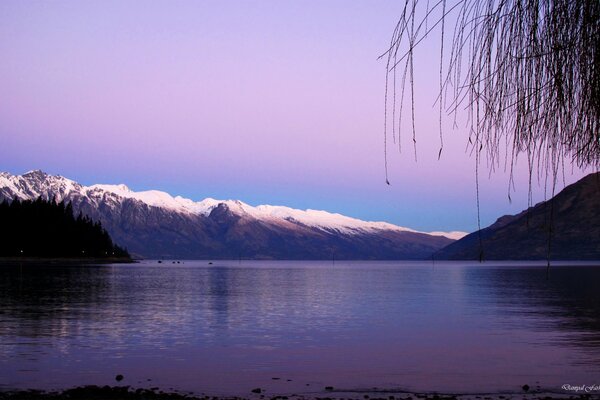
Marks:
<point>566,227</point>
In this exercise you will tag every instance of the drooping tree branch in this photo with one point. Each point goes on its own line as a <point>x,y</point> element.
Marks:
<point>526,71</point>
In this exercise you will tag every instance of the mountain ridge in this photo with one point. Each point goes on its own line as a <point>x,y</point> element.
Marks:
<point>156,198</point>
<point>154,223</point>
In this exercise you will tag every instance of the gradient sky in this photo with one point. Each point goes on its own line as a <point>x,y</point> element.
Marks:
<point>277,102</point>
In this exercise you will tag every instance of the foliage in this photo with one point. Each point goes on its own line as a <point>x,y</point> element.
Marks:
<point>527,71</point>
<point>48,229</point>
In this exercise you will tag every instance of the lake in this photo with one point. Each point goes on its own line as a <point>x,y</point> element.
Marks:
<point>228,327</point>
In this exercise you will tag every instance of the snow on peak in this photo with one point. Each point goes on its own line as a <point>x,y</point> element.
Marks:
<point>38,183</point>
<point>337,222</point>
<point>154,198</point>
<point>450,235</point>
<point>117,189</point>
<point>35,172</point>
<point>321,219</point>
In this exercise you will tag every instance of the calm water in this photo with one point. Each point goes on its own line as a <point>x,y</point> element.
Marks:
<point>230,327</point>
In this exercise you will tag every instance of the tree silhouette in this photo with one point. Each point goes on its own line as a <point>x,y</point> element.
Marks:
<point>42,228</point>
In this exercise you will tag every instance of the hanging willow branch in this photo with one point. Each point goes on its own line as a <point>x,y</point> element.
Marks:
<point>527,72</point>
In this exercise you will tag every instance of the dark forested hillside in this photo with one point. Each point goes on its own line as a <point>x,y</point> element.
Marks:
<point>566,227</point>
<point>43,228</point>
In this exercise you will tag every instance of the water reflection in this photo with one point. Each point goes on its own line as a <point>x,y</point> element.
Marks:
<point>230,326</point>
<point>567,300</point>
<point>37,301</point>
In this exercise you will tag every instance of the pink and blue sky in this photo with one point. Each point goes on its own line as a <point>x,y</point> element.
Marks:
<point>277,102</point>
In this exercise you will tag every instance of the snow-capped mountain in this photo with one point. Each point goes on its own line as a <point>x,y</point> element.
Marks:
<point>154,223</point>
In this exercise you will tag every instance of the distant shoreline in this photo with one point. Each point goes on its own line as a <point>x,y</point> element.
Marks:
<point>64,260</point>
<point>167,261</point>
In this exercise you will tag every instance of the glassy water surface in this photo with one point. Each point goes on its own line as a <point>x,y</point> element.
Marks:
<point>229,327</point>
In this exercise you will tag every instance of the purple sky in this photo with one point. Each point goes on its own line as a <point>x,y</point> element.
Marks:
<point>277,102</point>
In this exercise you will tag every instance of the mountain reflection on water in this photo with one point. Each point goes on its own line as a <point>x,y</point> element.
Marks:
<point>229,327</point>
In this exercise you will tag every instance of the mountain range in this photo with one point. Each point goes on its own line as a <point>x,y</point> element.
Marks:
<point>155,224</point>
<point>566,227</point>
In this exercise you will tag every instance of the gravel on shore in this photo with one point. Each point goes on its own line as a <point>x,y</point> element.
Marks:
<point>128,393</point>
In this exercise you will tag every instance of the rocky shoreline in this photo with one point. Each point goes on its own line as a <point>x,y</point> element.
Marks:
<point>129,393</point>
